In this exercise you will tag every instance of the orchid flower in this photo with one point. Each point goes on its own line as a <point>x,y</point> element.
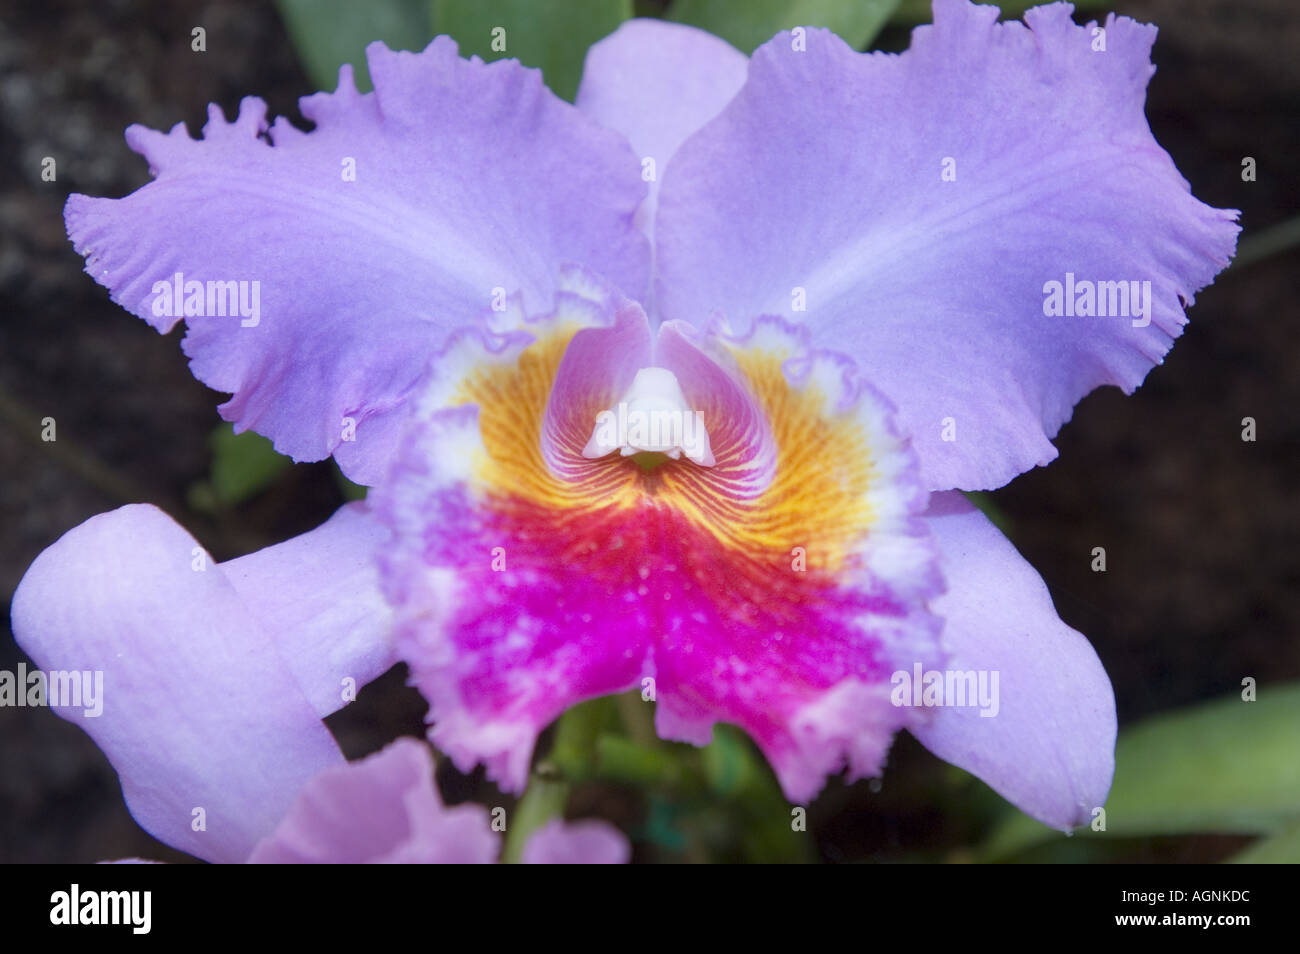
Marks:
<point>830,273</point>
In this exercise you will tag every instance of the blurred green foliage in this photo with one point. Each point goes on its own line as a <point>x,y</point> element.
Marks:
<point>329,33</point>
<point>912,12</point>
<point>1223,767</point>
<point>716,803</point>
<point>552,36</point>
<point>243,465</point>
<point>747,24</point>
<point>1280,849</point>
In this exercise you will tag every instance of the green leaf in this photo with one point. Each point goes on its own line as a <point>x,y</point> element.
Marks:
<point>911,12</point>
<point>1280,849</point>
<point>552,36</point>
<point>543,800</point>
<point>347,488</point>
<point>1225,767</point>
<point>1258,246</point>
<point>747,24</point>
<point>328,33</point>
<point>573,748</point>
<point>751,802</point>
<point>243,465</point>
<point>633,763</point>
<point>729,762</point>
<point>985,503</point>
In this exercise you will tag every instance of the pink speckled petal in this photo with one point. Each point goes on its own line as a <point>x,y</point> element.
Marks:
<point>804,666</point>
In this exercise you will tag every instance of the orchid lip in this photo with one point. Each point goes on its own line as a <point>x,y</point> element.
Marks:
<point>652,421</point>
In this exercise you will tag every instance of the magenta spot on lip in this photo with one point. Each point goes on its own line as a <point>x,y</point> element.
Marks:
<point>592,605</point>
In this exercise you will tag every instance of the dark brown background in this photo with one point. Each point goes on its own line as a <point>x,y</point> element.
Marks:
<point>1200,528</point>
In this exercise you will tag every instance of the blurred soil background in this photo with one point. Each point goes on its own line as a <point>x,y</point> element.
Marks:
<point>1201,529</point>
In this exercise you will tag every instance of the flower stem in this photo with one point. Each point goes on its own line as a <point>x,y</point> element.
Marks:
<point>544,799</point>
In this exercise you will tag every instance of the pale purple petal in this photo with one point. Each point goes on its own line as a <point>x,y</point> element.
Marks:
<point>820,193</point>
<point>318,596</point>
<point>1050,748</point>
<point>657,83</point>
<point>371,237</point>
<point>577,843</point>
<point>201,717</point>
<point>384,809</point>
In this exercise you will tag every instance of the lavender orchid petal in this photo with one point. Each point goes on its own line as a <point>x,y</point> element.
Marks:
<point>201,717</point>
<point>357,246</point>
<point>1050,747</point>
<point>318,596</point>
<point>657,83</point>
<point>914,209</point>
<point>577,843</point>
<point>384,809</point>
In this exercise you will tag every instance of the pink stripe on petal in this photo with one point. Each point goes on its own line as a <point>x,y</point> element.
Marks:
<point>740,434</point>
<point>599,365</point>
